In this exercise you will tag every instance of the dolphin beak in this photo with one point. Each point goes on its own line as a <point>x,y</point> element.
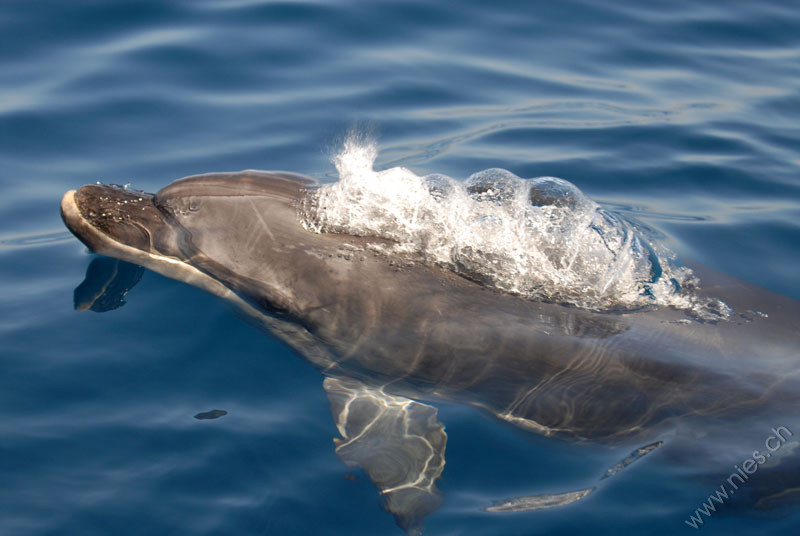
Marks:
<point>71,215</point>
<point>108,218</point>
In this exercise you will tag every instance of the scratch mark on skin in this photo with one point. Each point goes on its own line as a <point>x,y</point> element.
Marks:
<point>261,219</point>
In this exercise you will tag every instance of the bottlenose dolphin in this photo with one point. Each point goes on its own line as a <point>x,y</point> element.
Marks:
<point>390,335</point>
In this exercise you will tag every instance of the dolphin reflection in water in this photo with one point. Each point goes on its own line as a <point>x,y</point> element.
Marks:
<point>393,337</point>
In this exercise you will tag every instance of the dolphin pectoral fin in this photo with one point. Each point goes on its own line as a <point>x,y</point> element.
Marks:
<point>398,442</point>
<point>539,502</point>
<point>630,458</point>
<point>106,283</point>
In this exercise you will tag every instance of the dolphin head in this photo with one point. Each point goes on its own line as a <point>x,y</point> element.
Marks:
<point>223,232</point>
<point>108,217</point>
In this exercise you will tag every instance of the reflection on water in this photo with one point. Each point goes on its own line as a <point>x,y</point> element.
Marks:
<point>106,284</point>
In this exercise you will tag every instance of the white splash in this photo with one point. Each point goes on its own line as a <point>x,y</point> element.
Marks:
<point>541,238</point>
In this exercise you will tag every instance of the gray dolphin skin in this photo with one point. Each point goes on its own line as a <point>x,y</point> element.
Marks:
<point>392,337</point>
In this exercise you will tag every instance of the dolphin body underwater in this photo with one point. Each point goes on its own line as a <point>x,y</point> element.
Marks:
<point>390,336</point>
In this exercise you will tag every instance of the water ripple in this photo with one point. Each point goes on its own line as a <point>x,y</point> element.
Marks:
<point>37,240</point>
<point>682,113</point>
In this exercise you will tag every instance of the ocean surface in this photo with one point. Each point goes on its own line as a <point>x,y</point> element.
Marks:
<point>683,114</point>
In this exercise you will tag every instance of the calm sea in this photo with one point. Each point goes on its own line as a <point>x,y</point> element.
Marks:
<point>685,113</point>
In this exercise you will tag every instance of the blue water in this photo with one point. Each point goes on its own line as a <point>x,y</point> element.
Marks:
<point>681,112</point>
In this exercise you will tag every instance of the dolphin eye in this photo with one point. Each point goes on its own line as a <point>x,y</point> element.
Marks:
<point>182,206</point>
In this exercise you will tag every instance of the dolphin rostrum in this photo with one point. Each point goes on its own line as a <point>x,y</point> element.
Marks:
<point>389,333</point>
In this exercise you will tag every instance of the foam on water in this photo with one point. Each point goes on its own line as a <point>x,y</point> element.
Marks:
<point>541,238</point>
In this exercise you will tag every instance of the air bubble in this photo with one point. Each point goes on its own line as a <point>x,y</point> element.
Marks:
<point>541,238</point>
<point>496,185</point>
<point>552,191</point>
